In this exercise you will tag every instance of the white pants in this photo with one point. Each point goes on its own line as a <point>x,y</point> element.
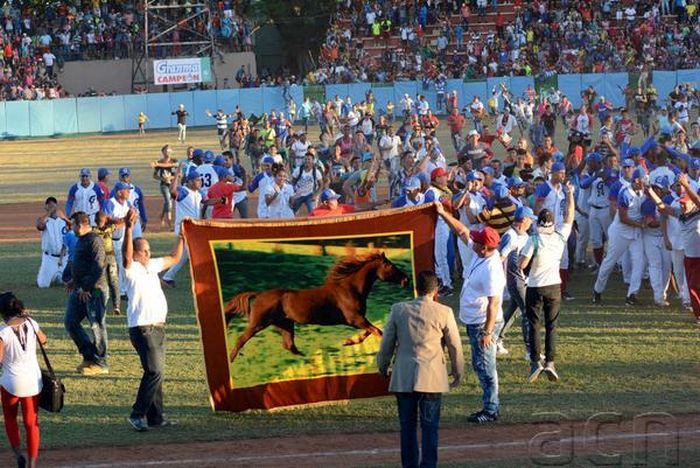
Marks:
<point>50,271</point>
<point>677,257</point>
<point>442,267</point>
<point>170,274</point>
<point>598,224</point>
<point>626,263</point>
<point>584,231</point>
<point>181,132</point>
<point>120,264</point>
<point>616,248</point>
<point>659,265</point>
<point>466,254</point>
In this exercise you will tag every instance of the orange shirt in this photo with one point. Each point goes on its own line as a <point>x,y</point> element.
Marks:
<point>325,211</point>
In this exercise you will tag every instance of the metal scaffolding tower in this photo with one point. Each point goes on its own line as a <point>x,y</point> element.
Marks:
<point>171,30</point>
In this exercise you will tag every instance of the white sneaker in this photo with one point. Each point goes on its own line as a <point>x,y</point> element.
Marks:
<point>527,357</point>
<point>500,349</point>
<point>662,303</point>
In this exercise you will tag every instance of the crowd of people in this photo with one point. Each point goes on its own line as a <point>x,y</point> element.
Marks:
<point>543,39</point>
<point>516,214</point>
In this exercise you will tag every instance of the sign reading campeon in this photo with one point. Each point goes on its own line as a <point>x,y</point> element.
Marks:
<point>181,71</point>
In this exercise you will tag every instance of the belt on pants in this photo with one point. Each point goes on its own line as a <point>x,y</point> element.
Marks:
<point>599,207</point>
<point>53,255</point>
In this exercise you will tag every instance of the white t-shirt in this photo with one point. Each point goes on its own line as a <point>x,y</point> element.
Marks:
<point>147,304</point>
<point>305,181</point>
<point>299,148</point>
<point>544,269</point>
<point>485,278</point>
<point>21,375</point>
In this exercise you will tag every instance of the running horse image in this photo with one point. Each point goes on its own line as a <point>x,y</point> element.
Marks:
<point>341,300</point>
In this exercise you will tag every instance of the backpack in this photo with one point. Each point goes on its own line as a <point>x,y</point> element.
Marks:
<point>301,170</point>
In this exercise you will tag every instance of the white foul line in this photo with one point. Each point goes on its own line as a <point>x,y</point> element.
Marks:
<point>382,451</point>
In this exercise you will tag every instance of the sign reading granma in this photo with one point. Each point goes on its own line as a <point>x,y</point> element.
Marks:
<point>181,71</point>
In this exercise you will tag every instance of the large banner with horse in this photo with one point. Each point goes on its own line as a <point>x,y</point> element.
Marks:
<point>291,313</point>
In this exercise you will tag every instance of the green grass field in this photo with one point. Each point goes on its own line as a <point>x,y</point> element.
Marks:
<point>612,358</point>
<point>263,359</point>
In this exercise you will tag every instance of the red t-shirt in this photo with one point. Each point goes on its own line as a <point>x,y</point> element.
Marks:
<point>325,211</point>
<point>223,189</point>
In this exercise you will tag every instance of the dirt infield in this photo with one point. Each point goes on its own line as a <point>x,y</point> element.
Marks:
<point>524,444</point>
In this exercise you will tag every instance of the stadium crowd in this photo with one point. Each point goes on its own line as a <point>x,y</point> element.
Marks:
<point>516,215</point>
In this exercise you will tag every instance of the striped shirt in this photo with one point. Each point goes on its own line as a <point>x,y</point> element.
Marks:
<point>499,216</point>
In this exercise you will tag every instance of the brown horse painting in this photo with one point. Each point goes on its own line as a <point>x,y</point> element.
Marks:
<point>341,300</point>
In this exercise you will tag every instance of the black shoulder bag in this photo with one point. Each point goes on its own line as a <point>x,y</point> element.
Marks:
<point>52,390</point>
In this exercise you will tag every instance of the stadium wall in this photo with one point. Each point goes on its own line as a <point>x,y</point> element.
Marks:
<point>21,119</point>
<point>114,76</point>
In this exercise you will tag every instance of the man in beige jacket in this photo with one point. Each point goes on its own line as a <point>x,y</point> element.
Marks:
<point>416,331</point>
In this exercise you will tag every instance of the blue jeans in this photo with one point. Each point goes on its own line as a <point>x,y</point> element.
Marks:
<point>410,406</point>
<point>306,200</point>
<point>516,289</point>
<point>242,207</point>
<point>93,349</point>
<point>484,365</point>
<point>149,343</point>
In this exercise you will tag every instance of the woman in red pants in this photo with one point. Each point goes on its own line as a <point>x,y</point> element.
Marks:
<point>21,377</point>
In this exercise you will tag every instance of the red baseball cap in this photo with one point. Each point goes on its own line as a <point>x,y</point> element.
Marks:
<point>487,237</point>
<point>437,172</point>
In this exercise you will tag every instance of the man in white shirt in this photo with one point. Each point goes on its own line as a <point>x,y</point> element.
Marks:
<point>146,317</point>
<point>299,149</point>
<point>389,145</point>
<point>480,309</point>
<point>52,227</point>
<point>49,60</point>
<point>543,253</point>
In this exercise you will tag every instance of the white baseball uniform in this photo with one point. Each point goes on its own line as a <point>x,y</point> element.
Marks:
<point>52,260</point>
<point>658,257</point>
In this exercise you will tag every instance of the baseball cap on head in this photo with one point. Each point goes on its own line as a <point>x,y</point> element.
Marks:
<point>628,163</point>
<point>124,172</point>
<point>546,218</point>
<point>209,157</point>
<point>268,160</point>
<point>515,181</point>
<point>413,184</point>
<point>662,182</point>
<point>121,186</point>
<point>438,172</point>
<point>500,191</point>
<point>193,175</point>
<point>524,212</point>
<point>474,175</point>
<point>638,174</point>
<point>695,164</point>
<point>221,171</point>
<point>198,152</point>
<point>633,151</point>
<point>488,237</point>
<point>558,167</point>
<point>488,170</point>
<point>329,194</point>
<point>366,157</point>
<point>220,160</point>
<point>102,172</point>
<point>85,172</point>
<point>594,157</point>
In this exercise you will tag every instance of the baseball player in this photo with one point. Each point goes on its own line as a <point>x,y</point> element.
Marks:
<point>625,234</point>
<point>261,180</point>
<point>103,181</point>
<point>209,174</point>
<point>412,195</point>
<point>597,182</point>
<point>188,204</point>
<point>671,228</point>
<point>439,192</point>
<point>84,196</point>
<point>583,210</point>
<point>655,248</point>
<point>52,226</point>
<point>136,200</point>
<point>116,209</point>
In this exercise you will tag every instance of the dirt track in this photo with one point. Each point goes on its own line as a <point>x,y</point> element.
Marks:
<point>496,442</point>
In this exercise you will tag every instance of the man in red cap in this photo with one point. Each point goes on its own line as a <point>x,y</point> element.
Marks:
<point>440,192</point>
<point>480,308</point>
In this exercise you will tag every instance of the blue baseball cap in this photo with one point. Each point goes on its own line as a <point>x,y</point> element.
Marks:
<point>102,173</point>
<point>662,182</point>
<point>628,163</point>
<point>121,186</point>
<point>192,175</point>
<point>633,151</point>
<point>515,181</point>
<point>124,172</point>
<point>558,156</point>
<point>474,175</point>
<point>85,172</point>
<point>638,173</point>
<point>558,167</point>
<point>220,160</point>
<point>268,160</point>
<point>611,174</point>
<point>221,171</point>
<point>488,170</point>
<point>209,157</point>
<point>413,184</point>
<point>500,191</point>
<point>197,153</point>
<point>329,194</point>
<point>524,212</point>
<point>695,164</point>
<point>367,157</point>
<point>594,157</point>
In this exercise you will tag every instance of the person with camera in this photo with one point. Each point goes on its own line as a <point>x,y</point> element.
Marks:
<point>146,316</point>
<point>21,381</point>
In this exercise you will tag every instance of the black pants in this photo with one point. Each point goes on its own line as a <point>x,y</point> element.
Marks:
<point>545,299</point>
<point>149,342</point>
